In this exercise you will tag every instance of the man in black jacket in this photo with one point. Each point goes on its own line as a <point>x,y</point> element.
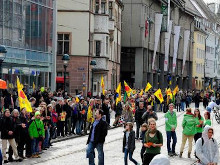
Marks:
<point>105,109</point>
<point>96,138</point>
<point>138,118</point>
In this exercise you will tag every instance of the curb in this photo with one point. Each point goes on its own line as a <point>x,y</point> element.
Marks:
<point>73,137</point>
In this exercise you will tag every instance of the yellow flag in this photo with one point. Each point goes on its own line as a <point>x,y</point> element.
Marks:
<point>23,101</point>
<point>127,89</point>
<point>89,115</point>
<point>134,91</point>
<point>142,92</point>
<point>103,85</point>
<point>175,90</point>
<point>34,86</point>
<point>77,99</point>
<point>148,87</point>
<point>118,91</point>
<point>159,95</point>
<point>169,93</point>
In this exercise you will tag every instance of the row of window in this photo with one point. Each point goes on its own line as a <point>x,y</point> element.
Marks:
<point>210,49</point>
<point>201,38</point>
<point>199,68</point>
<point>200,53</point>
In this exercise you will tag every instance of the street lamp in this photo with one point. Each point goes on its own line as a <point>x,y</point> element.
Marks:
<point>65,60</point>
<point>158,77</point>
<point>92,64</point>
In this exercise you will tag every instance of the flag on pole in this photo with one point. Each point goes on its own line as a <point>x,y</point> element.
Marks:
<point>77,99</point>
<point>23,101</point>
<point>176,90</point>
<point>169,93</point>
<point>90,118</point>
<point>159,95</point>
<point>134,91</point>
<point>127,89</point>
<point>148,87</point>
<point>142,92</point>
<point>118,96</point>
<point>34,86</point>
<point>103,85</point>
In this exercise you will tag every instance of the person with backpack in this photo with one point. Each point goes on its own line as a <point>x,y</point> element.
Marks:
<point>189,130</point>
<point>171,124</point>
<point>153,142</point>
<point>207,148</point>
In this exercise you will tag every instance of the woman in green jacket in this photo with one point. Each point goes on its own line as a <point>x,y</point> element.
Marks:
<point>199,126</point>
<point>207,119</point>
<point>189,130</point>
<point>37,133</point>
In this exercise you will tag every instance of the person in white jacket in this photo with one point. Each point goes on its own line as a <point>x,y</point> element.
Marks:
<point>207,148</point>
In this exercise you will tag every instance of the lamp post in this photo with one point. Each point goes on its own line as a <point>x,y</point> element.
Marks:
<point>3,52</point>
<point>158,77</point>
<point>187,78</point>
<point>65,60</point>
<point>92,64</point>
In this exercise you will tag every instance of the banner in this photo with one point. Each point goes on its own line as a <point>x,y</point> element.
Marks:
<point>158,22</point>
<point>185,47</point>
<point>176,44</point>
<point>167,45</point>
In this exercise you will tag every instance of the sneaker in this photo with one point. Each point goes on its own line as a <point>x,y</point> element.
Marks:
<point>34,156</point>
<point>175,154</point>
<point>38,156</point>
<point>6,161</point>
<point>170,154</point>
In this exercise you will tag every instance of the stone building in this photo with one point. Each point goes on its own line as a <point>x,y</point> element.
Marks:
<point>138,41</point>
<point>89,30</point>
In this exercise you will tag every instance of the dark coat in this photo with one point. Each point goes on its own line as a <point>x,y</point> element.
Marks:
<point>131,142</point>
<point>7,125</point>
<point>138,115</point>
<point>101,130</point>
<point>105,109</point>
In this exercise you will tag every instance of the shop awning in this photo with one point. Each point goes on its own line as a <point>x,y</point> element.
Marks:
<point>60,79</point>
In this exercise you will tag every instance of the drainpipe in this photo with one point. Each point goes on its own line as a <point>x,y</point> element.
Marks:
<point>205,60</point>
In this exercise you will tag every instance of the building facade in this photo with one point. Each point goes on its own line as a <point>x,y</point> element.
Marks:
<point>26,29</point>
<point>97,38</point>
<point>138,41</point>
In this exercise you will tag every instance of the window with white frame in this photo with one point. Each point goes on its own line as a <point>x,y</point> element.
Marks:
<point>63,43</point>
<point>107,43</point>
<point>98,48</point>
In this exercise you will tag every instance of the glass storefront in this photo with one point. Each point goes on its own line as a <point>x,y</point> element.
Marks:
<point>26,29</point>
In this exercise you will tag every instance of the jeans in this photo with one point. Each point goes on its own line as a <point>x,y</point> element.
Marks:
<point>171,134</point>
<point>90,153</point>
<point>138,125</point>
<point>178,107</point>
<point>79,126</point>
<point>130,157</point>
<point>47,136</point>
<point>182,105</point>
<point>35,146</point>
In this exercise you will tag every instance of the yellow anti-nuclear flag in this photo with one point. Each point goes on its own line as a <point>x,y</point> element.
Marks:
<point>103,85</point>
<point>128,90</point>
<point>148,87</point>
<point>159,95</point>
<point>169,93</point>
<point>23,101</point>
<point>90,118</point>
<point>176,90</point>
<point>142,92</point>
<point>118,91</point>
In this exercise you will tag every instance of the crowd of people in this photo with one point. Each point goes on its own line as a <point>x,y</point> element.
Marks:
<point>58,114</point>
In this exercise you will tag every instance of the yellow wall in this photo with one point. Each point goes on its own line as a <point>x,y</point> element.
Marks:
<point>198,58</point>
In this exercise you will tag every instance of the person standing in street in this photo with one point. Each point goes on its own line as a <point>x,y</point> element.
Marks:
<point>129,143</point>
<point>207,148</point>
<point>153,142</point>
<point>199,126</point>
<point>96,138</point>
<point>189,130</point>
<point>106,110</point>
<point>171,124</point>
<point>138,118</point>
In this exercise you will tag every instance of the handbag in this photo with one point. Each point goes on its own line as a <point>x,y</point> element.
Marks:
<point>40,138</point>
